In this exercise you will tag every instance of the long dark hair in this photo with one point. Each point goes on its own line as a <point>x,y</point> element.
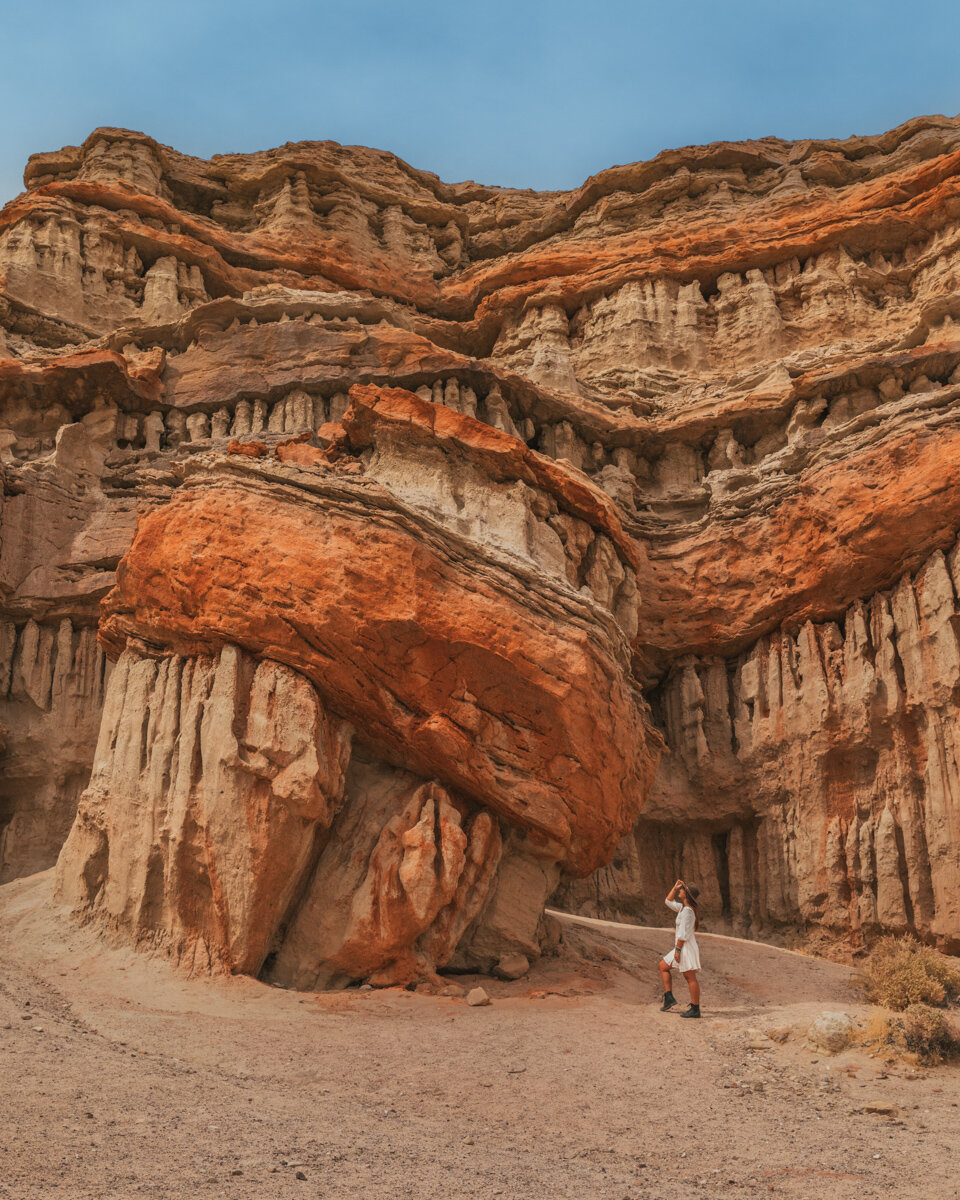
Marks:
<point>690,894</point>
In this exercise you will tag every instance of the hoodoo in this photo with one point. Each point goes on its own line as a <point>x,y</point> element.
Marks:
<point>380,557</point>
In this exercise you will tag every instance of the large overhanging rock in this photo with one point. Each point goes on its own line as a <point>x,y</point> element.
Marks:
<point>431,612</point>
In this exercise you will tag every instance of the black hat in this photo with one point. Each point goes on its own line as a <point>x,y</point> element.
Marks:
<point>692,893</point>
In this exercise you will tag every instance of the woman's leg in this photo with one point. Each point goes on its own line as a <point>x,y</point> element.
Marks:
<point>694,985</point>
<point>669,1000</point>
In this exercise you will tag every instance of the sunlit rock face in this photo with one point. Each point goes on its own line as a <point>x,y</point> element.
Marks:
<point>379,555</point>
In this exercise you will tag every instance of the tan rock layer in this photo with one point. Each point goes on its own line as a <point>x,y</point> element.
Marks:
<point>498,454</point>
<point>251,838</point>
<point>52,680</point>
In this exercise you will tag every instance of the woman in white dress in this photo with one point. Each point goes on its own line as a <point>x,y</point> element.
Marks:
<point>685,955</point>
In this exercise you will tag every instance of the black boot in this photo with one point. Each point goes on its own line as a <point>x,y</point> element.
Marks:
<point>693,1010</point>
<point>669,1000</point>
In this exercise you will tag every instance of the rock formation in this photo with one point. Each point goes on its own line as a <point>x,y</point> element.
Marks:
<point>452,544</point>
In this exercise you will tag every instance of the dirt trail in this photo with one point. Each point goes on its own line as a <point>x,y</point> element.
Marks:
<point>126,1080</point>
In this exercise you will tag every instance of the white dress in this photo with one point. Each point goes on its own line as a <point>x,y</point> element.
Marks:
<point>690,951</point>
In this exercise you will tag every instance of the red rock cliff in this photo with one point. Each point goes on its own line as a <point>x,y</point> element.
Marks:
<point>452,504</point>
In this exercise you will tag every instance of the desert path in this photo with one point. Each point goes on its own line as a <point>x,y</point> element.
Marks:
<point>123,1079</point>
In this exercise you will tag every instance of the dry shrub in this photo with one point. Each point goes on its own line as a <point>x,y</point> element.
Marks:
<point>798,941</point>
<point>922,1032</point>
<point>902,973</point>
<point>928,1033</point>
<point>876,1030</point>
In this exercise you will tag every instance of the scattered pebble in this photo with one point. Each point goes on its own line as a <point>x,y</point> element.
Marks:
<point>477,997</point>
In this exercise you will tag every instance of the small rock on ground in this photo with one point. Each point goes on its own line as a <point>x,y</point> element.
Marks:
<point>512,966</point>
<point>832,1031</point>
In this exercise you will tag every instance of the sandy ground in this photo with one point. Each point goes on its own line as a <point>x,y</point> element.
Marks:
<point>119,1078</point>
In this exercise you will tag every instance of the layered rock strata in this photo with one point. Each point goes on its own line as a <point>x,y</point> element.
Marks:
<point>474,467</point>
<point>817,775</point>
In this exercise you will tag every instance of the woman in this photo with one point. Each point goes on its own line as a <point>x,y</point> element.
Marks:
<point>685,955</point>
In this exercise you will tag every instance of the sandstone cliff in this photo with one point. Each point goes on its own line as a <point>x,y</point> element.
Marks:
<point>440,509</point>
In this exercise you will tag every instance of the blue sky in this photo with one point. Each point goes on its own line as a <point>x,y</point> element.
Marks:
<point>531,93</point>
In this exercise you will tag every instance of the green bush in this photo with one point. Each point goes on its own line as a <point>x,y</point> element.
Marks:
<point>902,972</point>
